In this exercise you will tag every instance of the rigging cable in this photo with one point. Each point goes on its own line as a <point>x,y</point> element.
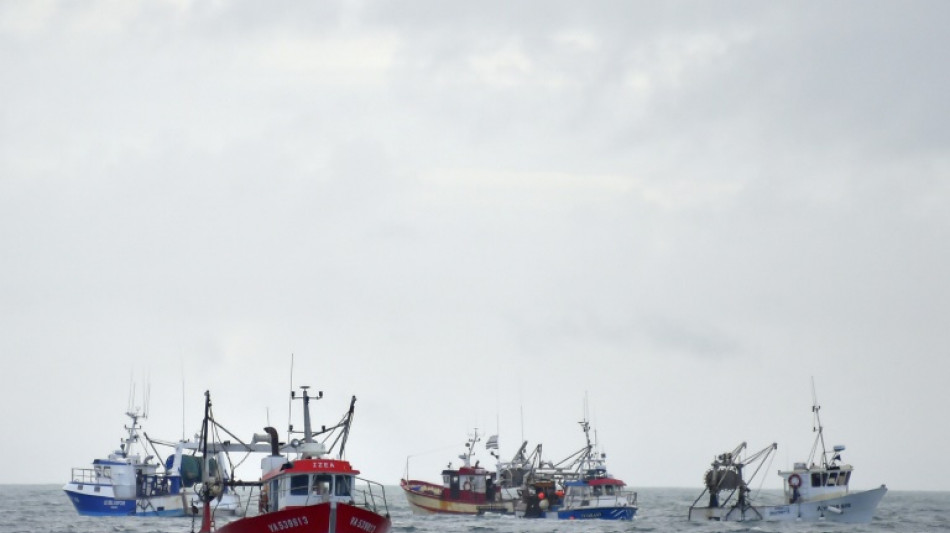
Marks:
<point>762,481</point>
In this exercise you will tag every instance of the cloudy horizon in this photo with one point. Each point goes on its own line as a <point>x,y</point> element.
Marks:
<point>477,216</point>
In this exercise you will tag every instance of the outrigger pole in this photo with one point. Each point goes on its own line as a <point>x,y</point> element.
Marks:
<point>346,428</point>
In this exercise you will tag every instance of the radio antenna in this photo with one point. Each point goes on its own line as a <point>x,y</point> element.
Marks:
<point>290,400</point>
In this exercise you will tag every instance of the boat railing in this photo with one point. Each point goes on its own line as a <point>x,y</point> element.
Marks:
<point>630,495</point>
<point>251,503</point>
<point>372,496</point>
<point>85,476</point>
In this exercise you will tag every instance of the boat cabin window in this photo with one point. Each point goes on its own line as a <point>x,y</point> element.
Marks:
<point>830,479</point>
<point>597,490</point>
<point>298,484</point>
<point>609,490</point>
<point>579,491</point>
<point>343,484</point>
<point>322,484</point>
<point>476,483</point>
<point>274,495</point>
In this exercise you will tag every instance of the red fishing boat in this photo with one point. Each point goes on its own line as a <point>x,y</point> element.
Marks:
<point>313,493</point>
<point>470,489</point>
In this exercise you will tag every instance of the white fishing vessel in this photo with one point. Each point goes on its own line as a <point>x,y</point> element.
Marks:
<point>818,489</point>
<point>133,480</point>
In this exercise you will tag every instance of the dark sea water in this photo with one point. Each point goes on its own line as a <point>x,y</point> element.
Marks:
<point>42,508</point>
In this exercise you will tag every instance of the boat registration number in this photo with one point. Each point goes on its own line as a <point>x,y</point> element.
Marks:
<point>368,527</point>
<point>288,523</point>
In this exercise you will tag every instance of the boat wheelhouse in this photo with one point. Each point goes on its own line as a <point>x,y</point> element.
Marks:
<point>306,482</point>
<point>599,498</point>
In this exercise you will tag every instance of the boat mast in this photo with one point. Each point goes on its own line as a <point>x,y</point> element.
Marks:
<point>290,403</point>
<point>133,437</point>
<point>817,427</point>
<point>133,413</point>
<point>469,449</point>
<point>206,521</point>
<point>307,431</point>
<point>585,458</point>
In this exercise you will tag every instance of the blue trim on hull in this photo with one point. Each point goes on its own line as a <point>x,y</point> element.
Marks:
<point>90,505</point>
<point>598,513</point>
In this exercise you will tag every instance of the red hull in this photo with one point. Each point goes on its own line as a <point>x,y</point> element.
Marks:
<point>319,518</point>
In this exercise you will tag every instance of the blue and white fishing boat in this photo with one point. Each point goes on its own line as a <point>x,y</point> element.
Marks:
<point>125,483</point>
<point>597,494</point>
<point>129,481</point>
<point>584,491</point>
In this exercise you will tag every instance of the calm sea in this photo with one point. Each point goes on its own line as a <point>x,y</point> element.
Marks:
<point>44,508</point>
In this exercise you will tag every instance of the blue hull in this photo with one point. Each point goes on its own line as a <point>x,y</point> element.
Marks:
<point>89,505</point>
<point>598,513</point>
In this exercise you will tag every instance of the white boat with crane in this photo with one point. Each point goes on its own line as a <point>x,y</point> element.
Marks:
<point>818,489</point>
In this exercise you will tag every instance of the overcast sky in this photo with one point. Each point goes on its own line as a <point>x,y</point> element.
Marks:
<point>476,215</point>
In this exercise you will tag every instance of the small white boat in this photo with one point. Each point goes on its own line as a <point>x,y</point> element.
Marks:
<point>816,490</point>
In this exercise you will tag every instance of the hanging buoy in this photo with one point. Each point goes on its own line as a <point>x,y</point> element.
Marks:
<point>794,481</point>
